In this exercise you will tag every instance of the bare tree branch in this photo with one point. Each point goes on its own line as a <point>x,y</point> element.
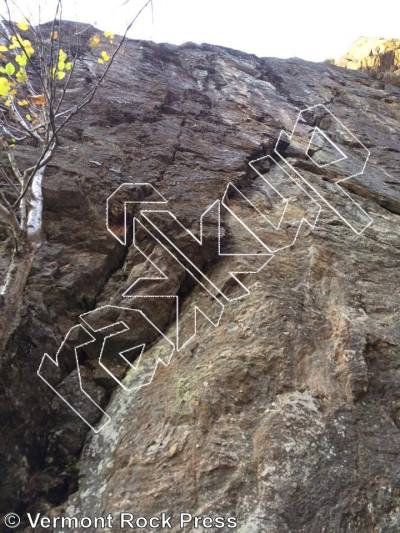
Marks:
<point>46,118</point>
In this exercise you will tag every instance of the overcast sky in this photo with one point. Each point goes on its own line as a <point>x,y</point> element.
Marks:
<point>310,29</point>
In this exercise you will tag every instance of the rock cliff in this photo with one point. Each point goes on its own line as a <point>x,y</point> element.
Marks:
<point>378,56</point>
<point>285,415</point>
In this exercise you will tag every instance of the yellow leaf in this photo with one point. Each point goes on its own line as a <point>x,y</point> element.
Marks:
<point>28,48</point>
<point>21,75</point>
<point>3,48</point>
<point>94,41</point>
<point>101,61</point>
<point>15,42</point>
<point>62,56</point>
<point>28,117</point>
<point>21,60</point>
<point>109,35</point>
<point>60,75</point>
<point>23,103</point>
<point>23,26</point>
<point>69,65</point>
<point>105,56</point>
<point>5,86</point>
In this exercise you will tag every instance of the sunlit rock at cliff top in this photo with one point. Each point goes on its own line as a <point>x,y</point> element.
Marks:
<point>377,55</point>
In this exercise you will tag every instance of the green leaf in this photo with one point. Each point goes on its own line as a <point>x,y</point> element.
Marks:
<point>10,69</point>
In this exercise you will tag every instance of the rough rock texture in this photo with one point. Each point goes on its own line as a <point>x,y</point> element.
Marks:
<point>378,56</point>
<point>286,415</point>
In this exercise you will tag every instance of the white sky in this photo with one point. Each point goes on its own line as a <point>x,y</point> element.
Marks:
<point>310,29</point>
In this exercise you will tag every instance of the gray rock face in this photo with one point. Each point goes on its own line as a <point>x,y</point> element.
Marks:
<point>286,415</point>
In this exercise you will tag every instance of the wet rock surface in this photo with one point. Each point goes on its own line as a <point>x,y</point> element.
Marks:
<point>286,415</point>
